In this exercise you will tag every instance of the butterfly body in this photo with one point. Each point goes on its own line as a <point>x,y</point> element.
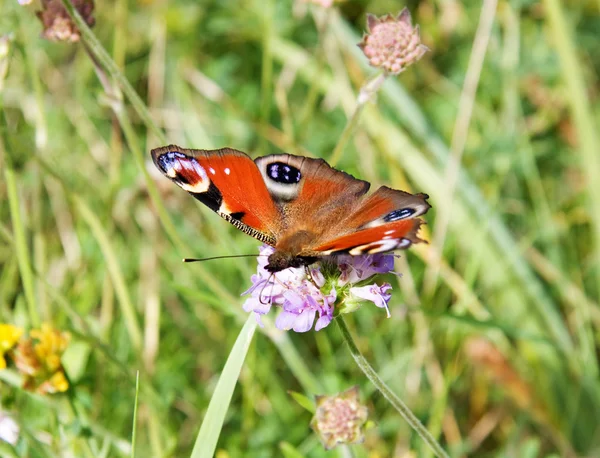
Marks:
<point>301,206</point>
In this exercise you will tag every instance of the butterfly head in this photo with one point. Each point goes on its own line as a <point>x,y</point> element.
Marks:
<point>281,260</point>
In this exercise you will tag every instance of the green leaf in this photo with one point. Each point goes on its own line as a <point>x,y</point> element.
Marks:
<point>289,451</point>
<point>303,400</point>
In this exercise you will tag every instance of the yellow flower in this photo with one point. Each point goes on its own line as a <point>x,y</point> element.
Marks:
<point>38,360</point>
<point>56,384</point>
<point>50,346</point>
<point>9,336</point>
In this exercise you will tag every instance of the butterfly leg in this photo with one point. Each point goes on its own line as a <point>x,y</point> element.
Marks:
<point>262,290</point>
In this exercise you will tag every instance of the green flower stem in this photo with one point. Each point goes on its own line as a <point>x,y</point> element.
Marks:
<point>366,93</point>
<point>396,402</point>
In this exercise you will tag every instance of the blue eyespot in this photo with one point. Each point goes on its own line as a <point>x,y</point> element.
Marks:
<point>165,161</point>
<point>397,215</point>
<point>283,173</point>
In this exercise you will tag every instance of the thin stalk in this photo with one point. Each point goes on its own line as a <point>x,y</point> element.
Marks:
<point>266,82</point>
<point>135,412</point>
<point>115,272</point>
<point>582,115</point>
<point>387,393</point>
<point>367,91</point>
<point>459,139</point>
<point>21,248</point>
<point>104,59</point>
<point>321,20</point>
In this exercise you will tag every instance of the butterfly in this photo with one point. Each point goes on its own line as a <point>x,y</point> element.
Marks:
<point>302,207</point>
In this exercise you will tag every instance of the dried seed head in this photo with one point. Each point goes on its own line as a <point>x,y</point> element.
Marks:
<point>392,43</point>
<point>58,25</point>
<point>339,419</point>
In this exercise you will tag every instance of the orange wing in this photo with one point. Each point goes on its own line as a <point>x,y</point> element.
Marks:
<point>228,182</point>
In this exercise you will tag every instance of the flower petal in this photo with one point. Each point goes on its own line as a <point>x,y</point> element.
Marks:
<point>305,321</point>
<point>285,320</point>
<point>377,294</point>
<point>322,322</point>
<point>253,304</point>
<point>294,302</point>
<point>256,282</point>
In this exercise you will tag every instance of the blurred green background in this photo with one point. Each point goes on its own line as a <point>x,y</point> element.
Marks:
<point>493,339</point>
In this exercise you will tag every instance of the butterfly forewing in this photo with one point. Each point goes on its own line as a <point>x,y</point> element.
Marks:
<point>228,182</point>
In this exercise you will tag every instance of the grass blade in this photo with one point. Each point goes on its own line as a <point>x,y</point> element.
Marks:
<point>115,272</point>
<point>22,251</point>
<point>207,438</point>
<point>135,409</point>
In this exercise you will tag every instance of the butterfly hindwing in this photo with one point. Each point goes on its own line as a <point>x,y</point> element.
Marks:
<point>386,220</point>
<point>329,212</point>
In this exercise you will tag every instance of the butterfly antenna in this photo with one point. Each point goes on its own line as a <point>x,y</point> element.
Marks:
<point>223,257</point>
<point>273,287</point>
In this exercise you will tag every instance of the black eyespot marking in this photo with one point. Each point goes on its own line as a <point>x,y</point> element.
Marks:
<point>182,179</point>
<point>238,215</point>
<point>166,161</point>
<point>399,214</point>
<point>211,198</point>
<point>283,173</point>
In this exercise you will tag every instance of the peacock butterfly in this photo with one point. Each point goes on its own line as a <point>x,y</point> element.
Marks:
<point>301,206</point>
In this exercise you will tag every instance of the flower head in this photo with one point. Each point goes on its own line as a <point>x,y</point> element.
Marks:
<point>308,296</point>
<point>339,419</point>
<point>392,43</point>
<point>377,294</point>
<point>58,25</point>
<point>38,359</point>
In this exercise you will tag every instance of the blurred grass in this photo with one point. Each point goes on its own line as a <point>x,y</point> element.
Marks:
<point>93,237</point>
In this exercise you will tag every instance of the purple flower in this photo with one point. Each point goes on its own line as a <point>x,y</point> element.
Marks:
<point>359,268</point>
<point>307,300</point>
<point>377,294</point>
